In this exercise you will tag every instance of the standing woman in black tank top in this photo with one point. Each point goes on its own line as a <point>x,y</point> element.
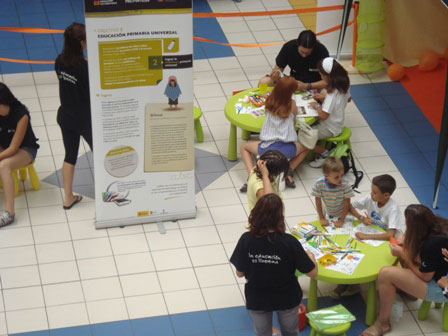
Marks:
<point>74,116</point>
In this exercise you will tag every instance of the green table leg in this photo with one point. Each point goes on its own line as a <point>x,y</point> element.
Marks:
<point>199,131</point>
<point>245,135</point>
<point>424,310</point>
<point>312,296</point>
<point>371,304</point>
<point>231,152</point>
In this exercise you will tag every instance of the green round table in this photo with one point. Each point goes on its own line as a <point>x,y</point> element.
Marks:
<point>246,122</point>
<point>367,271</point>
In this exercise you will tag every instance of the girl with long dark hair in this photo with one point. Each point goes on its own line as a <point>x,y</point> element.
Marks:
<point>18,146</point>
<point>426,235</point>
<point>74,116</point>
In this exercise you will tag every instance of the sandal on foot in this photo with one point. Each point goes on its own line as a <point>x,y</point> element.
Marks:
<point>78,199</point>
<point>378,329</point>
<point>243,189</point>
<point>290,183</point>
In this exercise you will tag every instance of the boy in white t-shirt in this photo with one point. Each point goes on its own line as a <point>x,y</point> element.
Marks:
<point>380,209</point>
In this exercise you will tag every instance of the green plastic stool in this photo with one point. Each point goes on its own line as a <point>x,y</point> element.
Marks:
<point>197,124</point>
<point>424,309</point>
<point>337,330</point>
<point>343,138</point>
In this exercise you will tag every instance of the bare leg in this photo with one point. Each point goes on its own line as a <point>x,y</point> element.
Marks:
<point>68,171</point>
<point>246,151</point>
<point>302,152</point>
<point>389,279</point>
<point>18,160</point>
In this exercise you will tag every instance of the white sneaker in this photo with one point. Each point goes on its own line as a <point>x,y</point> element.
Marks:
<point>317,162</point>
<point>6,218</point>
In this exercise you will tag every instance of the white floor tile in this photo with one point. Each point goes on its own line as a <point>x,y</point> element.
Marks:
<point>55,252</point>
<point>212,104</point>
<point>362,134</point>
<point>3,328</point>
<point>36,319</point>
<point>69,315</point>
<point>208,90</point>
<point>146,306</point>
<point>299,207</point>
<point>107,310</point>
<point>17,256</point>
<point>23,298</point>
<point>45,77</point>
<point>368,149</point>
<point>51,233</point>
<point>140,284</point>
<point>228,214</point>
<point>404,197</point>
<point>85,230</point>
<point>63,293</point>
<point>125,230</point>
<point>377,164</point>
<point>223,297</point>
<point>217,275</point>
<point>59,272</point>
<point>20,277</point>
<point>230,87</point>
<point>231,232</point>
<point>204,77</point>
<point>102,289</point>
<point>201,236</point>
<point>219,197</point>
<point>92,248</point>
<point>16,237</point>
<point>171,259</point>
<point>221,63</point>
<point>207,255</point>
<point>97,268</point>
<point>44,198</point>
<point>134,263</point>
<point>178,280</point>
<point>129,244</point>
<point>230,75</point>
<point>18,79</point>
<point>171,239</point>
<point>82,211</point>
<point>184,301</point>
<point>50,103</point>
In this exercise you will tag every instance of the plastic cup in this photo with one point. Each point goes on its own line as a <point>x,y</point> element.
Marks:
<point>263,88</point>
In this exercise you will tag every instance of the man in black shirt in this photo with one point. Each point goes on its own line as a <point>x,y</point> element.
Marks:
<point>301,56</point>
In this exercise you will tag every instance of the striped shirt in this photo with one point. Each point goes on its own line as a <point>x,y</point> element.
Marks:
<point>277,129</point>
<point>332,197</point>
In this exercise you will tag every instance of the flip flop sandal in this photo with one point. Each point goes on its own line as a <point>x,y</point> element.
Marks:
<point>243,189</point>
<point>378,325</point>
<point>78,199</point>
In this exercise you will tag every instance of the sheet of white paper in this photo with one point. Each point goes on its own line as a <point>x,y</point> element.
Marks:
<point>348,264</point>
<point>347,228</point>
<point>367,229</point>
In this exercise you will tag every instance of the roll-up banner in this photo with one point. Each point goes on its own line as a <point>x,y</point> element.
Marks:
<point>141,94</point>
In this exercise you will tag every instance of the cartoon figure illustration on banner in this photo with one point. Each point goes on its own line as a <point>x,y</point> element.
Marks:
<point>173,92</point>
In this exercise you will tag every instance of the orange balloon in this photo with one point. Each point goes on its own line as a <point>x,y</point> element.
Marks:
<point>395,71</point>
<point>428,61</point>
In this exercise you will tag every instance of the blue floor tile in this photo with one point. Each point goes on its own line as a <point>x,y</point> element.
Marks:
<point>400,146</point>
<point>9,20</point>
<point>72,331</point>
<point>191,324</point>
<point>12,43</point>
<point>158,325</point>
<point>34,20</point>
<point>380,117</point>
<point>400,101</point>
<point>116,328</point>
<point>419,128</point>
<point>390,88</point>
<point>38,41</point>
<point>363,90</point>
<point>210,165</point>
<point>427,142</point>
<point>30,7</point>
<point>389,132</point>
<point>425,195</point>
<point>417,178</point>
<point>412,161</point>
<point>373,103</point>
<point>409,114</point>
<point>229,319</point>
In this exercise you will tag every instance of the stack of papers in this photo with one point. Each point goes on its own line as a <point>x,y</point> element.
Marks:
<point>302,102</point>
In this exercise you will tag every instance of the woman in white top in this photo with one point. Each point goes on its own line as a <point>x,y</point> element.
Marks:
<point>278,131</point>
<point>331,112</point>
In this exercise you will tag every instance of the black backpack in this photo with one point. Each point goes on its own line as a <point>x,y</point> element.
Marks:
<point>344,153</point>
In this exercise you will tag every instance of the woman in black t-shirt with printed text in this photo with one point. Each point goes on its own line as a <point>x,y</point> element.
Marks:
<point>426,235</point>
<point>268,258</point>
<point>73,117</point>
<point>18,146</point>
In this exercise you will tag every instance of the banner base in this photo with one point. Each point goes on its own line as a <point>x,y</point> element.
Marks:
<point>145,220</point>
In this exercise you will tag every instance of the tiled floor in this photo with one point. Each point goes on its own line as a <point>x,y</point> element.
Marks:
<point>60,276</point>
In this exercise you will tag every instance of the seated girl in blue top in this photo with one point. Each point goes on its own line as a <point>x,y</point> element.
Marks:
<point>426,235</point>
<point>18,146</point>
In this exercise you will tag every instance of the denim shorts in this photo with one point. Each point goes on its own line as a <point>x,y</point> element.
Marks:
<point>434,293</point>
<point>288,149</point>
<point>30,150</point>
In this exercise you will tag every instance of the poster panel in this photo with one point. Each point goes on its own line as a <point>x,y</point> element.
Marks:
<point>141,92</point>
